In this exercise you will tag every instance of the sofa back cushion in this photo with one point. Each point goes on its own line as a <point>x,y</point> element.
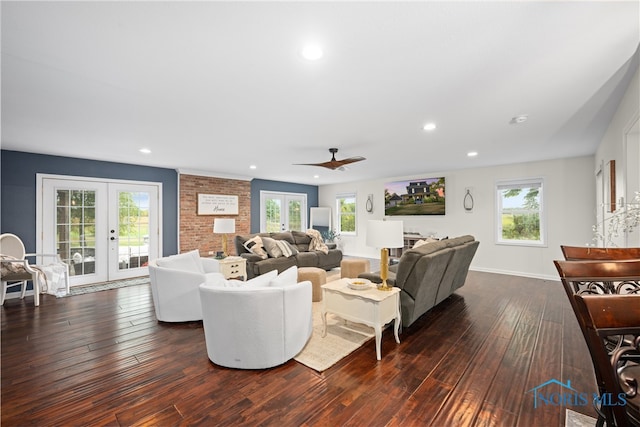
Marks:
<point>301,240</point>
<point>423,282</point>
<point>457,241</point>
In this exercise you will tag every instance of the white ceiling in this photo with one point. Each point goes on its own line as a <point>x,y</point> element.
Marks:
<point>218,86</point>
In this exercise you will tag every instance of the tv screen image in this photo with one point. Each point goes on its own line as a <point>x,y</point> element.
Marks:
<point>425,196</point>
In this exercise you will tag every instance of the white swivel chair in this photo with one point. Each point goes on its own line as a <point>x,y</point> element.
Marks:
<point>16,270</point>
<point>250,327</point>
<point>174,285</point>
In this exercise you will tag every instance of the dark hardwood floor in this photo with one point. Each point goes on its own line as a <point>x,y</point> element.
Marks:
<point>103,359</point>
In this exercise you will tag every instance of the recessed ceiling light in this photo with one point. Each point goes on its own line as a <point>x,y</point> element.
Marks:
<point>429,126</point>
<point>472,153</point>
<point>518,119</point>
<point>316,176</point>
<point>312,52</point>
<point>253,167</point>
<point>145,151</point>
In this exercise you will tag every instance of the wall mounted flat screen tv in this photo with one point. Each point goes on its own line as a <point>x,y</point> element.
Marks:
<point>424,196</point>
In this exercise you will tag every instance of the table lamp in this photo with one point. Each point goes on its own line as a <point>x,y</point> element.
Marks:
<point>384,235</point>
<point>224,226</point>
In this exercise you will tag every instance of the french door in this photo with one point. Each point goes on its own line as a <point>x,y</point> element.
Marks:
<point>104,230</point>
<point>282,211</point>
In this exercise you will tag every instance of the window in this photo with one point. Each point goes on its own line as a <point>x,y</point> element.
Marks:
<point>520,212</point>
<point>346,213</point>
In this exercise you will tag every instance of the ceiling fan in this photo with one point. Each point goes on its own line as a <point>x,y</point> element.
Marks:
<point>334,164</point>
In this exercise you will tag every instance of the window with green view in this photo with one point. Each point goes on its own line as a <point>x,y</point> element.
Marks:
<point>520,212</point>
<point>346,213</point>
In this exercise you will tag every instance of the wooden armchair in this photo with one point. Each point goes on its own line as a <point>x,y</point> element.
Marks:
<point>577,253</point>
<point>610,326</point>
<point>603,317</point>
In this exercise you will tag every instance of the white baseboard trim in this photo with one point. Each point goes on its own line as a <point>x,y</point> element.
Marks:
<point>516,273</point>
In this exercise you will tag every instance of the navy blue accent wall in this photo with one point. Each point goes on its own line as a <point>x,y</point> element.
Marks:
<point>18,190</point>
<point>258,185</point>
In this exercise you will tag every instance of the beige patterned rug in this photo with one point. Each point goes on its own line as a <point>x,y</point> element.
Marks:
<point>342,339</point>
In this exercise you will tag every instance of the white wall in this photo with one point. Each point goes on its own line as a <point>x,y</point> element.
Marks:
<point>614,147</point>
<point>569,199</point>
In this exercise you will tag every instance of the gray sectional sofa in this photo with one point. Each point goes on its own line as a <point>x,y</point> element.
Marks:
<point>429,274</point>
<point>299,240</point>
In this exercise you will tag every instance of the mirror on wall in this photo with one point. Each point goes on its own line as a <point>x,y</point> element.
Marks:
<point>320,219</point>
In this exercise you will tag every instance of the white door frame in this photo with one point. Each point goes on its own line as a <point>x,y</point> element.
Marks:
<point>285,197</point>
<point>154,250</point>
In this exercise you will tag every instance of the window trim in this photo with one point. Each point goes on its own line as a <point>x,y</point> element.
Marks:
<point>338,226</point>
<point>520,183</point>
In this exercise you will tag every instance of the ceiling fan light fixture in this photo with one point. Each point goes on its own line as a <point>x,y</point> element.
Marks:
<point>518,119</point>
<point>312,52</point>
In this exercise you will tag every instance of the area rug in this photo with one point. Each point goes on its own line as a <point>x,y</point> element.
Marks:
<point>576,419</point>
<point>105,286</point>
<point>342,339</point>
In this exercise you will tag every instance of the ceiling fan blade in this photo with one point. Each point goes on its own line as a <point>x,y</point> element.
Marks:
<point>351,160</point>
<point>334,164</point>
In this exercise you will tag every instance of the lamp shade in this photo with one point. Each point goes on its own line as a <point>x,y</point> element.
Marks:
<point>224,225</point>
<point>385,234</point>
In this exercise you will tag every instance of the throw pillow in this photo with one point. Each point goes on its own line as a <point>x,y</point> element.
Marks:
<point>271,246</point>
<point>214,280</point>
<point>188,261</point>
<point>286,278</point>
<point>257,282</point>
<point>294,250</point>
<point>286,248</point>
<point>424,242</point>
<point>255,246</point>
<point>419,243</point>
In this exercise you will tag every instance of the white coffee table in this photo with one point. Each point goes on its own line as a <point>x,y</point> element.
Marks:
<point>370,307</point>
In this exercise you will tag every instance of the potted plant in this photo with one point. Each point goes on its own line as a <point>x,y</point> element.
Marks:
<point>329,236</point>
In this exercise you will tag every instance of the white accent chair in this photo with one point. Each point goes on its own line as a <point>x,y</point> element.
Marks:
<point>17,271</point>
<point>250,327</point>
<point>174,285</point>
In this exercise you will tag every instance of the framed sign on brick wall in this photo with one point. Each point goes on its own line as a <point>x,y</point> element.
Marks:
<point>217,204</point>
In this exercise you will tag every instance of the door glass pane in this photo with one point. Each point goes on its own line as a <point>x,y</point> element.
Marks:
<point>274,215</point>
<point>133,229</point>
<point>75,230</point>
<point>295,215</point>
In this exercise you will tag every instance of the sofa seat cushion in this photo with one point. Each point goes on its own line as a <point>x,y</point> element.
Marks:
<point>307,259</point>
<point>280,264</point>
<point>329,260</point>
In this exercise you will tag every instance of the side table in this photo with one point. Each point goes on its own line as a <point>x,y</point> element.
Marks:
<point>371,307</point>
<point>233,267</point>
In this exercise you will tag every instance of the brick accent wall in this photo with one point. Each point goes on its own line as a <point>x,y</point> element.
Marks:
<point>196,231</point>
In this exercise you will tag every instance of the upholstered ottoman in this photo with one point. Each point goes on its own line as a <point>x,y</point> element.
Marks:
<point>317,277</point>
<point>352,267</point>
